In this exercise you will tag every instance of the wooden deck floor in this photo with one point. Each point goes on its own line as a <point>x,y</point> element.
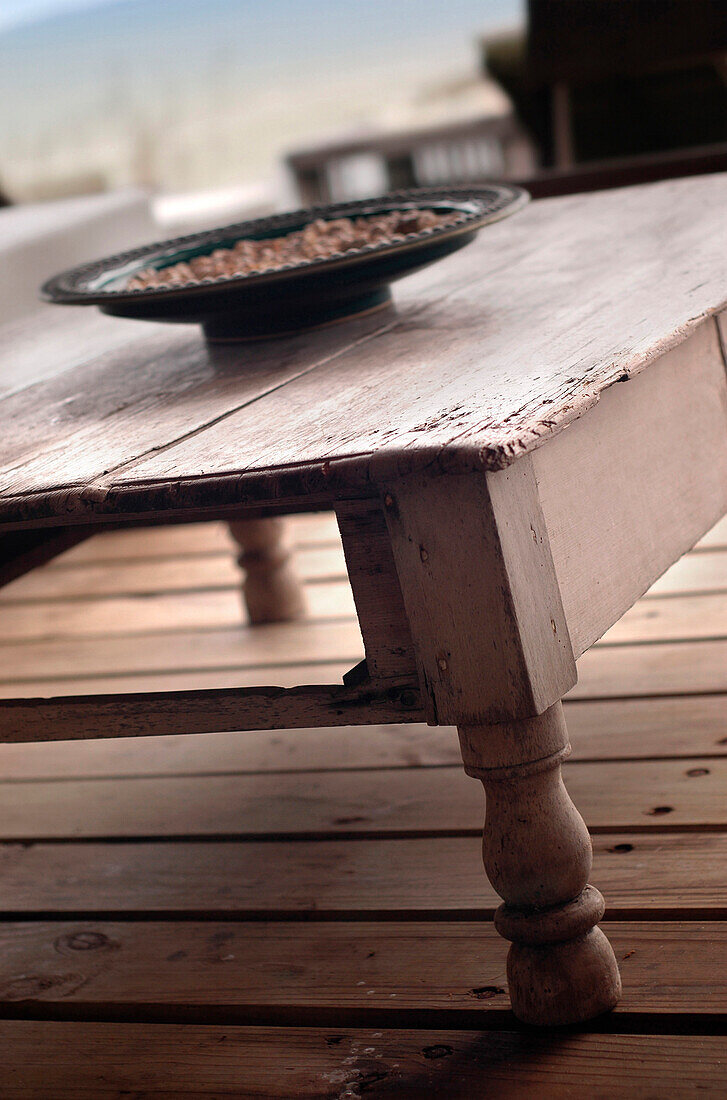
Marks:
<point>305,913</point>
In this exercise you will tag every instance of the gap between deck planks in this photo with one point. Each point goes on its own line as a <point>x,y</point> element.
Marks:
<point>157,928</point>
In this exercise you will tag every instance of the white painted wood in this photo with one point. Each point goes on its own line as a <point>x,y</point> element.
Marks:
<point>376,589</point>
<point>481,594</point>
<point>635,482</point>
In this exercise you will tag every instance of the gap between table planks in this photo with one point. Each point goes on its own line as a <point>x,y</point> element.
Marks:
<point>106,922</point>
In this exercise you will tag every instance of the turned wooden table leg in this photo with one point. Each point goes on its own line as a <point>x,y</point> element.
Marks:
<point>493,649</point>
<point>271,589</point>
<point>537,854</point>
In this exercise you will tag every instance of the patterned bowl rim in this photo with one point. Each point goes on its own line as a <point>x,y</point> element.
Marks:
<point>477,206</point>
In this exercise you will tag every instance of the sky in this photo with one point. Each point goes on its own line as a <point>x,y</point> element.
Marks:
<point>13,12</point>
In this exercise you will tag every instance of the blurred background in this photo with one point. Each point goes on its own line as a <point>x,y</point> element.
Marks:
<point>182,96</point>
<point>224,109</point>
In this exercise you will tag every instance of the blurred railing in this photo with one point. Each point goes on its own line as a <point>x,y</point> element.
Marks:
<point>454,152</point>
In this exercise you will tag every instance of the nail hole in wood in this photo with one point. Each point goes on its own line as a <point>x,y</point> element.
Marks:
<point>439,1050</point>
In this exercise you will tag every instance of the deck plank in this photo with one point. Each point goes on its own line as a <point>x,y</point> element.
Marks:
<point>694,573</point>
<point>692,617</point>
<point>189,539</point>
<point>198,610</point>
<point>232,658</point>
<point>615,795</point>
<point>654,875</point>
<point>194,914</point>
<point>101,1061</point>
<point>275,972</point>
<point>716,539</point>
<point>170,574</point>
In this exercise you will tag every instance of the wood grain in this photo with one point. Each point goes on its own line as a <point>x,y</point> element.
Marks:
<point>693,617</point>
<point>647,876</point>
<point>429,882</point>
<point>102,1061</point>
<point>635,795</point>
<point>677,668</point>
<point>420,382</point>
<point>39,347</point>
<point>697,616</point>
<point>613,531</point>
<point>376,590</point>
<point>182,539</point>
<point>481,594</point>
<point>630,729</point>
<point>318,529</point>
<point>274,972</point>
<point>185,610</point>
<point>117,404</point>
<point>356,701</point>
<point>139,577</point>
<point>278,675</point>
<point>661,668</point>
<point>270,644</point>
<point>537,390</point>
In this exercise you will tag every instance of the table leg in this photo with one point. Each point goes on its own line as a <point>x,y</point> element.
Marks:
<point>537,853</point>
<point>271,590</point>
<point>494,657</point>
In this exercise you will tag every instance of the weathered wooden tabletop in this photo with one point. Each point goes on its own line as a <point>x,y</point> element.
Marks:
<point>487,354</point>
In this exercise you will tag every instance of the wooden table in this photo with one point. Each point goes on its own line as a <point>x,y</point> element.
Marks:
<point>513,457</point>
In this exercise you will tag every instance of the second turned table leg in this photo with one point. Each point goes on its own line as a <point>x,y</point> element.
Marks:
<point>271,589</point>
